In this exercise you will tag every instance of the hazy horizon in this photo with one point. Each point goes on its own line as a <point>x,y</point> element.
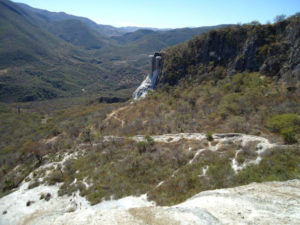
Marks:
<point>170,14</point>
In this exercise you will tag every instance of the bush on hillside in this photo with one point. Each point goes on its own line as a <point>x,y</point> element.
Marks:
<point>288,125</point>
<point>87,136</point>
<point>284,121</point>
<point>141,146</point>
<point>209,136</point>
<point>289,136</point>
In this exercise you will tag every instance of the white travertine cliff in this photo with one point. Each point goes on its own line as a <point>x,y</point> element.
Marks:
<point>150,81</point>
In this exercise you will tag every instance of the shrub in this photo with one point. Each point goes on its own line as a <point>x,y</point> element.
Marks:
<point>279,18</point>
<point>95,196</point>
<point>87,136</point>
<point>238,124</point>
<point>281,164</point>
<point>209,136</point>
<point>288,125</point>
<point>284,121</point>
<point>149,140</point>
<point>241,158</point>
<point>230,104</point>
<point>288,135</point>
<point>55,177</point>
<point>55,131</point>
<point>141,146</point>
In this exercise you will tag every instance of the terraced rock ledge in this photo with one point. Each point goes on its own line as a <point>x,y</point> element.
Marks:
<point>256,203</point>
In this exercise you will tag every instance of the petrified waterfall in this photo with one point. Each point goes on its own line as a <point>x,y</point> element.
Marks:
<point>150,81</point>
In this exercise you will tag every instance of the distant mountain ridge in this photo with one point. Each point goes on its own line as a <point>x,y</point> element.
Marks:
<point>45,55</point>
<point>77,33</point>
<point>107,30</point>
<point>37,65</point>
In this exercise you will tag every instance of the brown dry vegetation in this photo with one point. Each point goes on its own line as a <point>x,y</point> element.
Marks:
<point>250,103</point>
<point>242,103</point>
<point>246,103</point>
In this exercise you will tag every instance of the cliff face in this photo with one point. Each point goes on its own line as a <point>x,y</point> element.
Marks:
<point>150,81</point>
<point>272,50</point>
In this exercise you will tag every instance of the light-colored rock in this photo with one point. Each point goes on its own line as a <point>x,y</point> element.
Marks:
<point>150,81</point>
<point>257,203</point>
<point>265,203</point>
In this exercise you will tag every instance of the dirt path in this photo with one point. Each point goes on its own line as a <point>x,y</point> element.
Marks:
<point>114,115</point>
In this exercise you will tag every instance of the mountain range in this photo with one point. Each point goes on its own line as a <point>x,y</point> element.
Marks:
<point>222,110</point>
<point>101,29</point>
<point>47,55</point>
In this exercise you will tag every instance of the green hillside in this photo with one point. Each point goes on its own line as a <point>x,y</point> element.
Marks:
<point>21,40</point>
<point>148,40</point>
<point>77,33</point>
<point>47,55</point>
<point>47,16</point>
<point>225,112</point>
<point>36,65</point>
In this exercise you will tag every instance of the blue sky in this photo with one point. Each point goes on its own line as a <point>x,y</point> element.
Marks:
<point>171,13</point>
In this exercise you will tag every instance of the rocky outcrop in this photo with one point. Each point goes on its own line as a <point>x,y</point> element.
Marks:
<point>272,50</point>
<point>256,203</point>
<point>150,81</point>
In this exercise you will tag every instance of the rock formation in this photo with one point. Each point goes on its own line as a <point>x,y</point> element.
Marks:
<point>256,203</point>
<point>271,50</point>
<point>150,81</point>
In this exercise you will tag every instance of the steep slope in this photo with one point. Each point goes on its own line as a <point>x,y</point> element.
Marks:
<point>48,16</point>
<point>144,39</point>
<point>230,79</point>
<point>205,127</point>
<point>105,30</point>
<point>47,55</point>
<point>22,41</point>
<point>78,34</point>
<point>272,50</point>
<point>36,65</point>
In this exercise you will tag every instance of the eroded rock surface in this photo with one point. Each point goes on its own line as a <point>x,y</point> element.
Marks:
<point>150,81</point>
<point>256,203</point>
